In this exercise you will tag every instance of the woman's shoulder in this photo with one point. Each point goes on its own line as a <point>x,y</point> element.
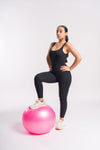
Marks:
<point>68,43</point>
<point>52,43</point>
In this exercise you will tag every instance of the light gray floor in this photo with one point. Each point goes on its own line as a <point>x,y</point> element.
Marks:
<point>82,131</point>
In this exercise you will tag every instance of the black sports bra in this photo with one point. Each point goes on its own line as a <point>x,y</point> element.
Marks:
<point>59,48</point>
<point>57,57</point>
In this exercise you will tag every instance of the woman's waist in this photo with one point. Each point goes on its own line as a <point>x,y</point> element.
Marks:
<point>57,66</point>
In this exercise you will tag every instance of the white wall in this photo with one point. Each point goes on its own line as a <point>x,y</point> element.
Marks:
<point>26,30</point>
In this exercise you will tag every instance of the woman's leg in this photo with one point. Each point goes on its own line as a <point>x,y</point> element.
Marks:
<point>48,77</point>
<point>64,84</point>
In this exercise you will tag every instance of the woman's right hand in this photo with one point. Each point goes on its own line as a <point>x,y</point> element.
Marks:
<point>50,68</point>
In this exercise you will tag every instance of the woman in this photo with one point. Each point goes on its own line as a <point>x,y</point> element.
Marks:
<point>59,72</point>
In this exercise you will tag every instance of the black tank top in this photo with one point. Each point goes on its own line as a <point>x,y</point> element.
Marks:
<point>57,57</point>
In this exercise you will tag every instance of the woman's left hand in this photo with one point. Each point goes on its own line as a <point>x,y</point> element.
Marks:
<point>65,68</point>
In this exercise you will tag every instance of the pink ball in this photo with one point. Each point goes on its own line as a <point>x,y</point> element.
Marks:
<point>39,120</point>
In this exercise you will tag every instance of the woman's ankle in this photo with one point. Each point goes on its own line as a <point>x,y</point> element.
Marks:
<point>41,99</point>
<point>61,118</point>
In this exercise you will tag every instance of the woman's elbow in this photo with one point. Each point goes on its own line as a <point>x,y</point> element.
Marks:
<point>47,57</point>
<point>79,58</point>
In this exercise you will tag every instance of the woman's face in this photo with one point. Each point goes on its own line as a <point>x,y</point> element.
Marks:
<point>61,33</point>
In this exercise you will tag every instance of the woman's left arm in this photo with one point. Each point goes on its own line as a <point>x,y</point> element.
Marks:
<point>75,53</point>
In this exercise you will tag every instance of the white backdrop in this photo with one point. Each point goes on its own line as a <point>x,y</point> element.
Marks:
<point>26,30</point>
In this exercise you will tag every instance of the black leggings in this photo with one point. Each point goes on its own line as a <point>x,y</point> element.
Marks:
<point>64,80</point>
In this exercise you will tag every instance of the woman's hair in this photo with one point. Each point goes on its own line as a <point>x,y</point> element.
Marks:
<point>66,30</point>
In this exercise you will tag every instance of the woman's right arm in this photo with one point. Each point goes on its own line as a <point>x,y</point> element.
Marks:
<point>48,58</point>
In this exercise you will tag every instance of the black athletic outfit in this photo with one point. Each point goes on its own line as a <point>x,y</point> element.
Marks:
<point>64,78</point>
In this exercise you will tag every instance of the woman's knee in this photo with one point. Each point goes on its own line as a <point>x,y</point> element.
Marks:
<point>37,77</point>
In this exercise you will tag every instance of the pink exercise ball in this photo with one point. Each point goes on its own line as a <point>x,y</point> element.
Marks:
<point>39,120</point>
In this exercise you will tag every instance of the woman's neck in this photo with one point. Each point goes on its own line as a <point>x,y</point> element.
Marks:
<point>61,41</point>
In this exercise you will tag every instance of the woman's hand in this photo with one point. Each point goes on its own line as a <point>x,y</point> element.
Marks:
<point>50,68</point>
<point>65,68</point>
